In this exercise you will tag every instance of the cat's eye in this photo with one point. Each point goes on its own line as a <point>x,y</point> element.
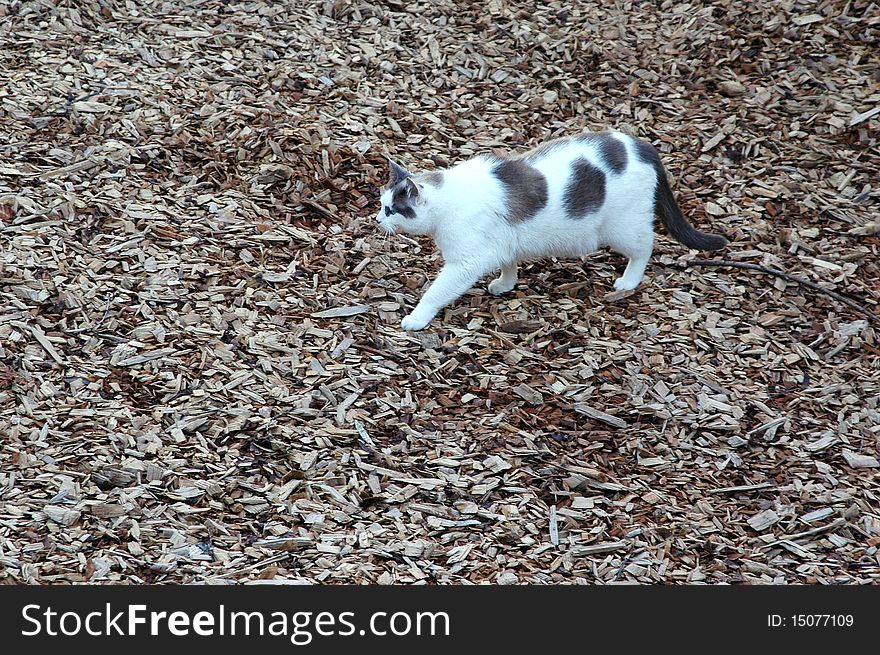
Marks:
<point>389,211</point>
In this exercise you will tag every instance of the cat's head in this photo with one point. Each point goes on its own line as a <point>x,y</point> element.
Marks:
<point>406,203</point>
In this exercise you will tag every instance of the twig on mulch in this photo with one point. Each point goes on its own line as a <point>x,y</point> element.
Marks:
<point>790,278</point>
<point>814,531</point>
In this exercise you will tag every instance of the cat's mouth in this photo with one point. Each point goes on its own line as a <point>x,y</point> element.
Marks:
<point>386,228</point>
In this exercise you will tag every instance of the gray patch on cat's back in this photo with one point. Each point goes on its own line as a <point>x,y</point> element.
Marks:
<point>526,189</point>
<point>613,151</point>
<point>585,191</point>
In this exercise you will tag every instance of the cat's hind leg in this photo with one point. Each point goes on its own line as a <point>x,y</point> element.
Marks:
<point>637,248</point>
<point>504,282</point>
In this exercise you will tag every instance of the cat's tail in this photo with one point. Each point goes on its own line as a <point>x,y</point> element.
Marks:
<point>668,211</point>
<point>679,229</point>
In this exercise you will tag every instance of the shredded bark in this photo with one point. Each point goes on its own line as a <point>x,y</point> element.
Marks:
<point>202,373</point>
<point>790,278</point>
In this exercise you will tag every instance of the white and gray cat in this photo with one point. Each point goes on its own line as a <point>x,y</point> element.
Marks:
<point>565,198</point>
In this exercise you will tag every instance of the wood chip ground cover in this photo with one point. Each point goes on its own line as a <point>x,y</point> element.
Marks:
<point>202,374</point>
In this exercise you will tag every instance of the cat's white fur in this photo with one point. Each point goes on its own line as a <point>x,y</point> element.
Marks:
<point>464,217</point>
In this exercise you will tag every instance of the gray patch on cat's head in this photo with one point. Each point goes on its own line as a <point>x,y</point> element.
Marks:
<point>613,151</point>
<point>404,197</point>
<point>526,189</point>
<point>585,191</point>
<point>405,190</point>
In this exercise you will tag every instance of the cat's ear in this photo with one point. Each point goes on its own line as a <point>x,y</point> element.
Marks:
<point>398,172</point>
<point>411,189</point>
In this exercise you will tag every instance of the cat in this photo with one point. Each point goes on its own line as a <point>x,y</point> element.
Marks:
<point>565,198</point>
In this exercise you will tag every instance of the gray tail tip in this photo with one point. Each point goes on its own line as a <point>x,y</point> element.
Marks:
<point>716,242</point>
<point>703,241</point>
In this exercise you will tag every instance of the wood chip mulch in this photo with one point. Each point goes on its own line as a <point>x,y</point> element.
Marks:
<point>202,373</point>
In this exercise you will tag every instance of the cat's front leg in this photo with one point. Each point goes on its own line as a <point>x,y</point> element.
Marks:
<point>452,281</point>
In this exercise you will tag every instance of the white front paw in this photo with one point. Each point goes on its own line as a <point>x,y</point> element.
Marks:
<point>625,285</point>
<point>415,321</point>
<point>499,286</point>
